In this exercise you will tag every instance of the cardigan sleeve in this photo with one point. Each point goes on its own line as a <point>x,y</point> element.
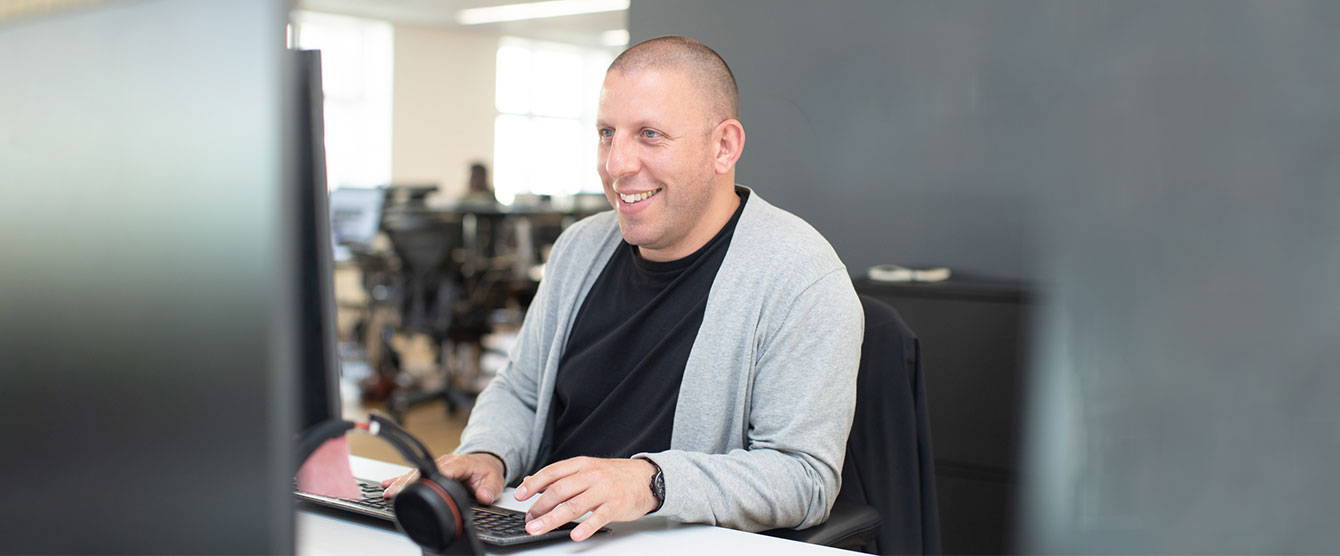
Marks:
<point>800,412</point>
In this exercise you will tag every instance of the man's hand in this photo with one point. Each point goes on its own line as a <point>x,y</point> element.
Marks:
<point>482,473</point>
<point>611,489</point>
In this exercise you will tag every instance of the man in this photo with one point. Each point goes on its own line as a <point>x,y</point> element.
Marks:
<point>693,352</point>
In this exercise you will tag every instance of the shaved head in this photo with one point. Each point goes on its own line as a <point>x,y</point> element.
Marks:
<point>701,64</point>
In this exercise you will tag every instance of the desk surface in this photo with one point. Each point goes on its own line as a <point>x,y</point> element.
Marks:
<point>321,534</point>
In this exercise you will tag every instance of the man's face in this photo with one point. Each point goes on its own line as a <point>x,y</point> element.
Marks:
<point>655,157</point>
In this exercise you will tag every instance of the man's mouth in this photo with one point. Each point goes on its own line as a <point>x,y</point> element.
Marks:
<point>630,199</point>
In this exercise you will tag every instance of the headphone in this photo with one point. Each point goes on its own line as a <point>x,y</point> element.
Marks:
<point>430,510</point>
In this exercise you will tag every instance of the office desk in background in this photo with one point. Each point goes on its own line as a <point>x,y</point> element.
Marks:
<point>320,534</point>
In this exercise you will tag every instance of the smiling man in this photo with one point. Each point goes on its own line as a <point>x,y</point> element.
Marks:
<point>690,354</point>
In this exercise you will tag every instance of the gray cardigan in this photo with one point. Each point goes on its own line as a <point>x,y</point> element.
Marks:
<point>766,402</point>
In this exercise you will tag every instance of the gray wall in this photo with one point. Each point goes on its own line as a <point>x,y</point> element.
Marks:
<point>893,128</point>
<point>1170,171</point>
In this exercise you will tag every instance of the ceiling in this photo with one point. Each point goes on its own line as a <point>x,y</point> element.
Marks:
<point>583,29</point>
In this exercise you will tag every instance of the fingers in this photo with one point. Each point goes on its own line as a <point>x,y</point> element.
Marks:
<point>599,517</point>
<point>547,476</point>
<point>610,489</point>
<point>395,485</point>
<point>481,472</point>
<point>485,489</point>
<point>489,484</point>
<point>569,510</point>
<point>558,493</point>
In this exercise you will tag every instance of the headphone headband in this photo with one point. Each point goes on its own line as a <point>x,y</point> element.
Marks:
<point>409,447</point>
<point>429,510</point>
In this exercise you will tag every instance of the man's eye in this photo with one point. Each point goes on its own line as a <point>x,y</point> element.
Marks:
<point>650,134</point>
<point>606,133</point>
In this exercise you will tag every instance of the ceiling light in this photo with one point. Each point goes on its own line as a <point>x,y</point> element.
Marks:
<point>614,37</point>
<point>537,10</point>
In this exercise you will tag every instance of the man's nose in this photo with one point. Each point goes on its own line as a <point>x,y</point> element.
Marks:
<point>622,159</point>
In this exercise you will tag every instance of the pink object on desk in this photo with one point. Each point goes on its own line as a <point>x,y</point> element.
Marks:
<point>327,471</point>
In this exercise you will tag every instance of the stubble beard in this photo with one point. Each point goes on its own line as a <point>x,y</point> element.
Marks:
<point>681,211</point>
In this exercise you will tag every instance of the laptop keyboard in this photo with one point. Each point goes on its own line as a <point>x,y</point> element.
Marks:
<point>493,525</point>
<point>372,498</point>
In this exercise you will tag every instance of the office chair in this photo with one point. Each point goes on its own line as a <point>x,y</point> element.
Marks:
<point>430,300</point>
<point>887,502</point>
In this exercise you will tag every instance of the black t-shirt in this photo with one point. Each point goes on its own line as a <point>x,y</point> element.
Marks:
<point>618,380</point>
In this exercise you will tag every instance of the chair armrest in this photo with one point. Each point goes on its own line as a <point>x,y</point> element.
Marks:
<point>849,525</point>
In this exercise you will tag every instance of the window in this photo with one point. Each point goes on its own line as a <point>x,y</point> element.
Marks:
<point>544,136</point>
<point>356,79</point>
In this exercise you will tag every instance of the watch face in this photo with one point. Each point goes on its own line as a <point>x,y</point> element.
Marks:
<point>658,486</point>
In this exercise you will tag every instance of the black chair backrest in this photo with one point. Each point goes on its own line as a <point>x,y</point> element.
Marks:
<point>890,464</point>
<point>424,244</point>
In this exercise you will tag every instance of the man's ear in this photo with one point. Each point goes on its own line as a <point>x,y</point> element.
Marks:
<point>729,137</point>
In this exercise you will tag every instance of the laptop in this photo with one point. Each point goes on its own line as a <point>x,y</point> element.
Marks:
<point>493,525</point>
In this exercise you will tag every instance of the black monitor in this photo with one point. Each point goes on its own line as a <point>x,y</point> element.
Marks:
<point>318,358</point>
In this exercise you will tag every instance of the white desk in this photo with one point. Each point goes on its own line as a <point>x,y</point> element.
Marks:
<point>321,535</point>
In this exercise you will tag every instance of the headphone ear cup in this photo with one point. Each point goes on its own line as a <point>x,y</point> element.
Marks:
<point>426,517</point>
<point>431,512</point>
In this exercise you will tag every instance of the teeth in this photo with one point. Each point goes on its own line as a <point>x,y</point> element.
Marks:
<point>630,199</point>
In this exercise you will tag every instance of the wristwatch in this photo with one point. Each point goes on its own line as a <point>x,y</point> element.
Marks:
<point>657,487</point>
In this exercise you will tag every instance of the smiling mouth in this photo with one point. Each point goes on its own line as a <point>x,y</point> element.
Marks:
<point>630,199</point>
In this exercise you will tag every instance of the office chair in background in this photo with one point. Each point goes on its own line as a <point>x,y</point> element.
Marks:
<point>887,502</point>
<point>430,302</point>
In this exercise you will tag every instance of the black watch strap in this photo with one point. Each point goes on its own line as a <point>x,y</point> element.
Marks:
<point>657,487</point>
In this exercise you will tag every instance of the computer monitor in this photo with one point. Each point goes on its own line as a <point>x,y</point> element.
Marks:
<point>146,317</point>
<point>318,357</point>
<point>355,218</point>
